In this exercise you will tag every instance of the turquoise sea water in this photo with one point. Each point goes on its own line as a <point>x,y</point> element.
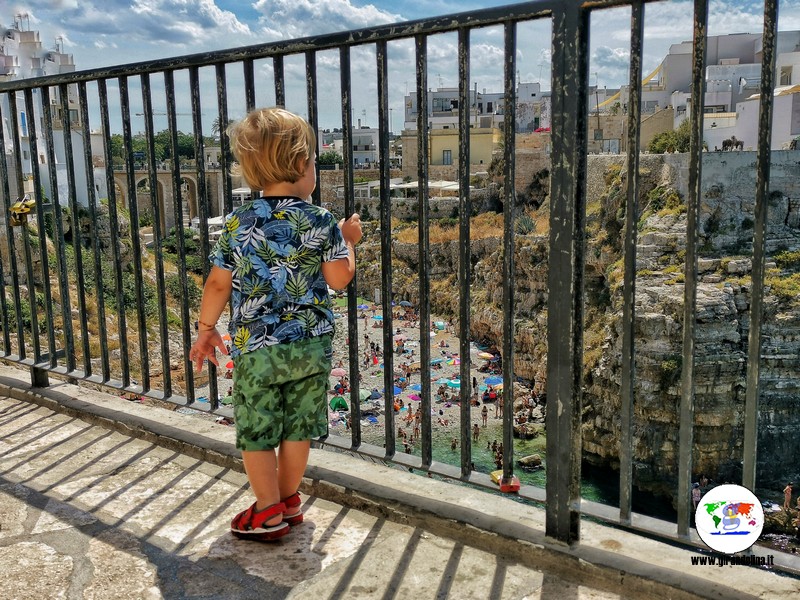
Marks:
<point>599,485</point>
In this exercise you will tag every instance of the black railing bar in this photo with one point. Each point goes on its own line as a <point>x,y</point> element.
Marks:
<point>565,272</point>
<point>509,218</point>
<point>9,239</point>
<point>249,83</point>
<point>763,157</point>
<point>172,123</point>
<point>47,136</point>
<point>225,162</point>
<point>157,214</point>
<point>278,77</point>
<point>96,247</point>
<point>423,215</point>
<point>629,278</point>
<point>464,250</point>
<point>10,236</point>
<point>349,208</point>
<point>113,218</point>
<point>224,142</point>
<point>313,115</point>
<point>686,431</point>
<point>136,247</point>
<point>386,238</point>
<point>77,237</point>
<point>203,205</point>
<point>331,41</point>
<point>37,195</point>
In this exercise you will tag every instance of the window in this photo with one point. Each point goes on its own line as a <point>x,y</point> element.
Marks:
<point>786,75</point>
<point>598,134</point>
<point>488,107</point>
<point>447,157</point>
<point>23,124</point>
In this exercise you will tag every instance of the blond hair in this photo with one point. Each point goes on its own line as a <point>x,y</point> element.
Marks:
<point>271,145</point>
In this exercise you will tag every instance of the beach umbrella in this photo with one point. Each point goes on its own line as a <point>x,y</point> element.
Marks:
<point>362,307</point>
<point>378,317</point>
<point>405,303</point>
<point>498,386</point>
<point>441,381</point>
<point>226,337</point>
<point>453,383</point>
<point>364,394</point>
<point>338,372</point>
<point>396,390</point>
<point>493,380</point>
<point>485,355</point>
<point>414,397</point>
<point>375,394</point>
<point>439,324</point>
<point>437,361</point>
<point>338,403</point>
<point>229,364</point>
<point>454,361</point>
<point>417,387</point>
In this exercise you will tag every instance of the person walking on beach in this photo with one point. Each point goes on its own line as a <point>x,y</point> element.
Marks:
<point>787,497</point>
<point>484,415</point>
<point>275,260</point>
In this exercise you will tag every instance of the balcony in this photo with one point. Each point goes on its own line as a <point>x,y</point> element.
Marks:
<point>93,315</point>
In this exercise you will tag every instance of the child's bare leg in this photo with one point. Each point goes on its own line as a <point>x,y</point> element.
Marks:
<point>292,461</point>
<point>261,469</point>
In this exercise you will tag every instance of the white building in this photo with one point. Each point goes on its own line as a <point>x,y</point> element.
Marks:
<point>732,80</point>
<point>23,56</point>
<point>487,109</point>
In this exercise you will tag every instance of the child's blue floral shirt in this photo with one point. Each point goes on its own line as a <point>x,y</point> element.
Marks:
<point>275,247</point>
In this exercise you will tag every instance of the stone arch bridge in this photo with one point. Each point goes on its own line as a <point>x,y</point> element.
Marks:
<point>166,194</point>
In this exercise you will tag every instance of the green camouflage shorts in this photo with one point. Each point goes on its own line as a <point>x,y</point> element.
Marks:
<point>280,393</point>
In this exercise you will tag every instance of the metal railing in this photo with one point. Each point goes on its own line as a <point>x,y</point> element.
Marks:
<point>45,339</point>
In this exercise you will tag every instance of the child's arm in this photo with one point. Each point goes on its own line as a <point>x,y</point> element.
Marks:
<point>216,293</point>
<point>339,273</point>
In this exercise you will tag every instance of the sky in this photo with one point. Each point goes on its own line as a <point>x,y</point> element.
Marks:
<point>101,33</point>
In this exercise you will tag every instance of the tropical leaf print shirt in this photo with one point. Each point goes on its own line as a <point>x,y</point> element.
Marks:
<point>275,247</point>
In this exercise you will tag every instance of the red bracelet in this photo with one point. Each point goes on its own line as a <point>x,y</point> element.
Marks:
<point>209,327</point>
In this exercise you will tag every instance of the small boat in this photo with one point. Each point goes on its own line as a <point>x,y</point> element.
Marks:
<point>509,486</point>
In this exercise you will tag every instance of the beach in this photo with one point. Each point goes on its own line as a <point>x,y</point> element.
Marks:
<point>445,393</point>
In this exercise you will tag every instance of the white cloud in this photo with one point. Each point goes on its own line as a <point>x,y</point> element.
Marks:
<point>286,19</point>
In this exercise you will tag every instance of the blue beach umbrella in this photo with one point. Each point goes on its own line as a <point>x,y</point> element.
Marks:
<point>442,381</point>
<point>378,317</point>
<point>362,307</point>
<point>493,380</point>
<point>454,383</point>
<point>417,387</point>
<point>437,361</point>
<point>405,303</point>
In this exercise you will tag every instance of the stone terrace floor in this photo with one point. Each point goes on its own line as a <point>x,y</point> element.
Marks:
<point>104,498</point>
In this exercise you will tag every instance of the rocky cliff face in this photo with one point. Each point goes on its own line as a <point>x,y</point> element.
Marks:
<point>723,303</point>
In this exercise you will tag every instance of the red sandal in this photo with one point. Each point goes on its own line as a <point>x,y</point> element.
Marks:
<point>251,524</point>
<point>293,515</point>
